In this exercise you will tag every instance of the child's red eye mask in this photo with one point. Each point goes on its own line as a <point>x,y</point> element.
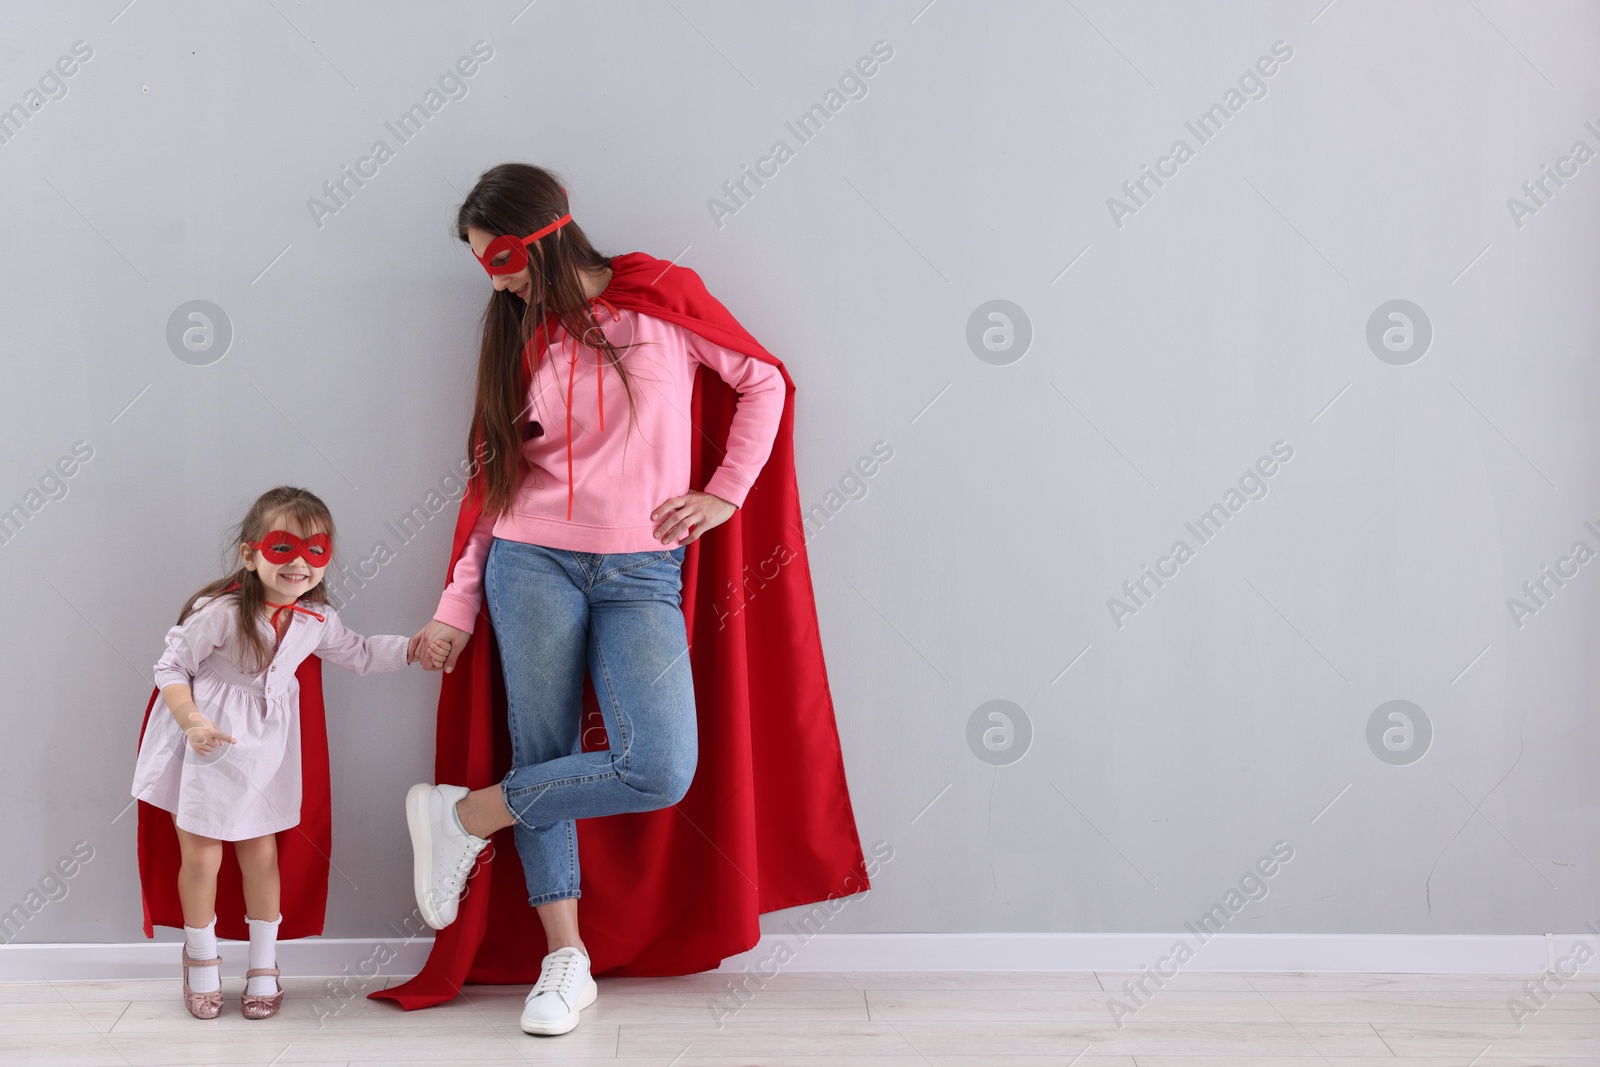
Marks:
<point>281,546</point>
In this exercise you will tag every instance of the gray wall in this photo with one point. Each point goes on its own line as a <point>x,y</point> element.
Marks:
<point>1147,361</point>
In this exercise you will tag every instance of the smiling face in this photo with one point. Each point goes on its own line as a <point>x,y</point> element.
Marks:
<point>285,582</point>
<point>520,283</point>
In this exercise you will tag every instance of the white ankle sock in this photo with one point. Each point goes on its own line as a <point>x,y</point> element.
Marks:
<point>263,953</point>
<point>200,943</point>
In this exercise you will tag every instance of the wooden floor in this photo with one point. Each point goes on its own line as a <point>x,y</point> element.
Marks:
<point>902,1019</point>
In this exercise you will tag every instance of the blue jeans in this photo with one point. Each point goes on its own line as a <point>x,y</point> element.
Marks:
<point>619,614</point>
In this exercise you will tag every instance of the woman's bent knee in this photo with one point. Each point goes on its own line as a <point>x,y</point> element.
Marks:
<point>662,788</point>
<point>679,790</point>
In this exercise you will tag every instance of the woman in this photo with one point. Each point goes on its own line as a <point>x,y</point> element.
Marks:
<point>578,554</point>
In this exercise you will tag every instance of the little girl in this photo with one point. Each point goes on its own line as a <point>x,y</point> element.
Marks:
<point>221,745</point>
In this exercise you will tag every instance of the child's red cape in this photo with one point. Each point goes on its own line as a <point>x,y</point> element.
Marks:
<point>767,822</point>
<point>303,851</point>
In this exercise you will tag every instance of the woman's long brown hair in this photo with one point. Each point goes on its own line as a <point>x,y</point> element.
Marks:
<point>518,199</point>
<point>264,516</point>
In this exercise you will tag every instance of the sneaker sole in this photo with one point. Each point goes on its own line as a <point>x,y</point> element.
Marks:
<point>567,1024</point>
<point>422,854</point>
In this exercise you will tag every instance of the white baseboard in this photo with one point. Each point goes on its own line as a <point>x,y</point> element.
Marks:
<point>364,963</point>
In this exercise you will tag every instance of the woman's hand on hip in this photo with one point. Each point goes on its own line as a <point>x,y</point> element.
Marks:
<point>685,518</point>
<point>437,645</point>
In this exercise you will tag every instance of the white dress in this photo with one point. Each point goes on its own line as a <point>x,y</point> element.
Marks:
<point>250,788</point>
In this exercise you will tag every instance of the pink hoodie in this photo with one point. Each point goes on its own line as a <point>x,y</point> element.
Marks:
<point>619,475</point>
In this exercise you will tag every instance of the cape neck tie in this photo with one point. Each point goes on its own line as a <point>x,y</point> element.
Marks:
<point>291,608</point>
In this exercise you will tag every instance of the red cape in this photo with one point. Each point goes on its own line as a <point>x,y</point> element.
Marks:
<point>303,850</point>
<point>767,823</point>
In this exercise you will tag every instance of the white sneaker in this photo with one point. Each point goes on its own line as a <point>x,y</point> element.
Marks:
<point>564,988</point>
<point>442,852</point>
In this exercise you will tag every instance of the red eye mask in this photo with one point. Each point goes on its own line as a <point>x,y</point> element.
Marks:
<point>281,546</point>
<point>516,248</point>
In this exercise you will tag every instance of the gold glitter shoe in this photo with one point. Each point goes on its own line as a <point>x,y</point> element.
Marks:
<point>201,1005</point>
<point>261,1007</point>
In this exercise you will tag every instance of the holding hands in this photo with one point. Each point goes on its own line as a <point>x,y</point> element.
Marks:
<point>437,645</point>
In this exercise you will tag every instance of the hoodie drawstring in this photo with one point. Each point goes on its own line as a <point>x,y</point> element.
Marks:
<point>600,396</point>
